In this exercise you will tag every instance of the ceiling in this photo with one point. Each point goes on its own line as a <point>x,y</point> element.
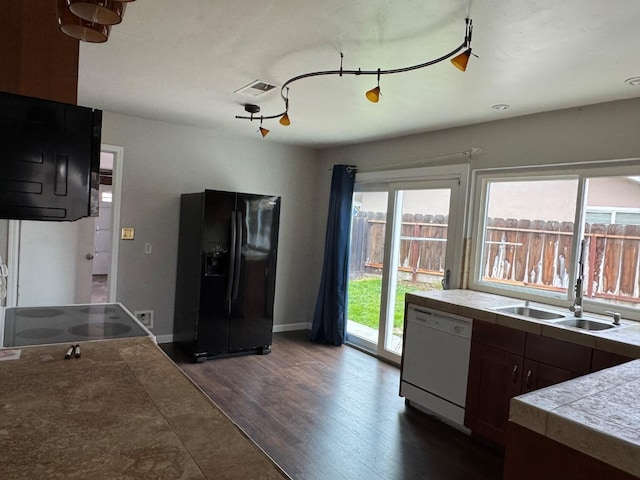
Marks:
<point>181,62</point>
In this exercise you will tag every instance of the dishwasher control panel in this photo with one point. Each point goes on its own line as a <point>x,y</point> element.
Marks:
<point>445,322</point>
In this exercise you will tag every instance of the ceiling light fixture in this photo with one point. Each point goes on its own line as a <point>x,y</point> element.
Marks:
<point>635,81</point>
<point>500,106</point>
<point>459,57</point>
<point>89,20</point>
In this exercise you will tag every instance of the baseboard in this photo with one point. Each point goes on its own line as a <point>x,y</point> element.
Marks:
<point>289,327</point>
<point>164,338</point>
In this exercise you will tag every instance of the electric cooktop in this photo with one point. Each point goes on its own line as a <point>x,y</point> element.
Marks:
<point>69,324</point>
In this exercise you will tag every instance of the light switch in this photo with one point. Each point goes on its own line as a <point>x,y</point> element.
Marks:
<point>128,233</point>
<point>147,248</point>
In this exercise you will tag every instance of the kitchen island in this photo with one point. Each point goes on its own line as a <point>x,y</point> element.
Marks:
<point>122,410</point>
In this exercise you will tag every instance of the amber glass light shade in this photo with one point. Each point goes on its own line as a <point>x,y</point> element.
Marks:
<point>263,131</point>
<point>284,120</point>
<point>460,61</point>
<point>78,28</point>
<point>104,12</point>
<point>373,95</point>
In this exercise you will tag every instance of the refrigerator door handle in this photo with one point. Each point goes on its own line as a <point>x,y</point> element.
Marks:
<point>238,256</point>
<point>232,261</point>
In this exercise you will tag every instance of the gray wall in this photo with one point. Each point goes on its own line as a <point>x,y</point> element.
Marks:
<point>162,160</point>
<point>595,132</point>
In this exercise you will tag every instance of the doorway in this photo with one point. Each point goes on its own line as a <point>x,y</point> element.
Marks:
<point>103,237</point>
<point>400,243</point>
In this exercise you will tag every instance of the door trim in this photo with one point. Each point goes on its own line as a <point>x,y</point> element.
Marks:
<point>454,177</point>
<point>118,163</point>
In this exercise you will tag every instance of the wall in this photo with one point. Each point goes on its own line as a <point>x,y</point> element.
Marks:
<point>595,132</point>
<point>162,160</point>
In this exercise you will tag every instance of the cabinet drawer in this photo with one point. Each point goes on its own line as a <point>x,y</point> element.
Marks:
<point>557,353</point>
<point>496,336</point>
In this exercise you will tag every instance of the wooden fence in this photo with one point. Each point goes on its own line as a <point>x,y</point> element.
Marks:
<point>422,242</point>
<point>531,253</point>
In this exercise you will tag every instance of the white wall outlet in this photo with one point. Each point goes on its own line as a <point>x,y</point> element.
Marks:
<point>148,248</point>
<point>145,317</point>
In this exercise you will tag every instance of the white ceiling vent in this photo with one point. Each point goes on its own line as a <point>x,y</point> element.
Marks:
<point>256,89</point>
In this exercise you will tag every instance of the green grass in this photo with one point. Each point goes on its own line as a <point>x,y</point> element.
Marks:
<point>364,300</point>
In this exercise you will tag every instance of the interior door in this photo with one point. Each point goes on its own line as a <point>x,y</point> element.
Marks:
<point>55,262</point>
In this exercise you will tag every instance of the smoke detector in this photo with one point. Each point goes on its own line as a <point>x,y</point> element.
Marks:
<point>256,88</point>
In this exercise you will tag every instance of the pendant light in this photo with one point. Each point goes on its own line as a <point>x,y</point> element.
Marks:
<point>105,12</point>
<point>284,119</point>
<point>76,27</point>
<point>263,131</point>
<point>460,61</point>
<point>373,95</point>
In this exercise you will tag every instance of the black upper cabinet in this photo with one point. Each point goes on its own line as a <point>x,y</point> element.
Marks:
<point>49,159</point>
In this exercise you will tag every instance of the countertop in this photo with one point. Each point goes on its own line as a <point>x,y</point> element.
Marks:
<point>122,410</point>
<point>597,414</point>
<point>480,306</point>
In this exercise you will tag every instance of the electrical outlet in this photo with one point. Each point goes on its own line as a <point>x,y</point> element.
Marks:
<point>145,317</point>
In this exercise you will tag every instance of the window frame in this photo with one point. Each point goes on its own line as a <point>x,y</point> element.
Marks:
<point>481,178</point>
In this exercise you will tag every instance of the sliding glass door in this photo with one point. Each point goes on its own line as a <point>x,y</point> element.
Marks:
<point>399,241</point>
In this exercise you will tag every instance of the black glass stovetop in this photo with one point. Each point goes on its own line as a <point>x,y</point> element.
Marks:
<point>68,324</point>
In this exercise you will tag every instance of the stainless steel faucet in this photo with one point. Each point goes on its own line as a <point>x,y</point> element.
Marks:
<point>576,308</point>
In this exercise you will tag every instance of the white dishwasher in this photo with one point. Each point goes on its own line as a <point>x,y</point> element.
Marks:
<point>435,363</point>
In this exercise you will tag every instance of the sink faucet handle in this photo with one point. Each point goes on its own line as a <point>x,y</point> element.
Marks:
<point>615,315</point>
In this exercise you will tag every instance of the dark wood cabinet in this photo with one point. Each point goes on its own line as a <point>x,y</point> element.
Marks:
<point>494,377</point>
<point>601,360</point>
<point>506,362</point>
<point>531,456</point>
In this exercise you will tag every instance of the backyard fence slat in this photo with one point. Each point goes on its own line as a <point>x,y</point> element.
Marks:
<point>511,237</point>
<point>522,253</point>
<point>550,255</point>
<point>598,242</point>
<point>613,254</point>
<point>536,251</point>
<point>629,267</point>
<point>564,252</point>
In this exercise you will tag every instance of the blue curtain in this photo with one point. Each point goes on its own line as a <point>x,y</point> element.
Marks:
<point>329,319</point>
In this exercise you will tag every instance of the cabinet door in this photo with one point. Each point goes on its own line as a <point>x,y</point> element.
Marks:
<point>494,377</point>
<point>537,375</point>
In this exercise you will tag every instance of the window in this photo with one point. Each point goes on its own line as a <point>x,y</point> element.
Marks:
<point>529,238</point>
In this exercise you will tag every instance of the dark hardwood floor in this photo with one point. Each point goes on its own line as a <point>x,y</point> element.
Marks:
<point>324,412</point>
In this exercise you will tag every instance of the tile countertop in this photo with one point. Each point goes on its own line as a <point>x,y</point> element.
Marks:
<point>596,414</point>
<point>121,410</point>
<point>480,306</point>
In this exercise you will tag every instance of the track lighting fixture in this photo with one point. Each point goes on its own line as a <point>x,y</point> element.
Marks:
<point>459,57</point>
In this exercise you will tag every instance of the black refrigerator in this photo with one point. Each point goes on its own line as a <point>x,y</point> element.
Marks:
<point>226,273</point>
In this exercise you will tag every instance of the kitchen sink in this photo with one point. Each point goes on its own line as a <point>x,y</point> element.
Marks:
<point>531,312</point>
<point>585,324</point>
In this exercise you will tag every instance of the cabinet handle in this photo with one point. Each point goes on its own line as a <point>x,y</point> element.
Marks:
<point>528,380</point>
<point>514,379</point>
